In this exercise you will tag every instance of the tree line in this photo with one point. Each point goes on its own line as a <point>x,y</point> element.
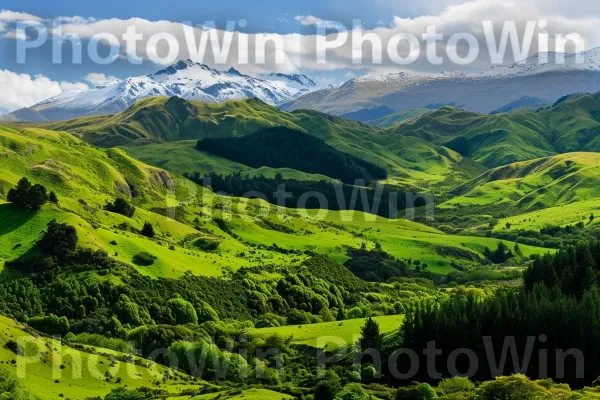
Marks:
<point>282,147</point>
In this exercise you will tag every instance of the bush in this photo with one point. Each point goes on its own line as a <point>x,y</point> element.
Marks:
<point>28,196</point>
<point>269,320</point>
<point>50,324</point>
<point>144,259</point>
<point>183,311</point>
<point>53,198</point>
<point>353,391</point>
<point>125,394</point>
<point>59,239</point>
<point>455,385</point>
<point>148,230</point>
<point>298,317</point>
<point>328,386</point>
<point>10,387</point>
<point>206,313</point>
<point>14,347</point>
<point>120,206</point>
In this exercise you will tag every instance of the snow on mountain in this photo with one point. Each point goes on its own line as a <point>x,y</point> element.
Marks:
<point>186,79</point>
<point>540,63</point>
<point>546,76</point>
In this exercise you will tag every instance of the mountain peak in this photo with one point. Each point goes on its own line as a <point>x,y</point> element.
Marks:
<point>186,79</point>
<point>234,71</point>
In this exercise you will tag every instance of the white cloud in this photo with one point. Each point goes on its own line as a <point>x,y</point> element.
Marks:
<point>100,79</point>
<point>23,90</point>
<point>12,16</point>
<point>448,16</point>
<point>310,20</point>
<point>76,20</point>
<point>13,34</point>
<point>2,26</point>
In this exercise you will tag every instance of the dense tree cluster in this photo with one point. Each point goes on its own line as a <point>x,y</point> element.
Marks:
<point>559,302</point>
<point>282,147</point>
<point>120,206</point>
<point>572,270</point>
<point>319,290</point>
<point>376,265</point>
<point>551,236</point>
<point>28,196</point>
<point>501,254</point>
<point>59,240</point>
<point>332,196</point>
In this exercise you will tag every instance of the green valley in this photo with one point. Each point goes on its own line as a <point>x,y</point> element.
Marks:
<point>110,237</point>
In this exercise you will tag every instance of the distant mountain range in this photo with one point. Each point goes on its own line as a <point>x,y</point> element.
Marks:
<point>483,92</point>
<point>368,98</point>
<point>186,79</point>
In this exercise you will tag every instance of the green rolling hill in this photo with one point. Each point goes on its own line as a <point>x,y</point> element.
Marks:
<point>572,124</point>
<point>409,161</point>
<point>537,184</point>
<point>291,272</point>
<point>85,178</point>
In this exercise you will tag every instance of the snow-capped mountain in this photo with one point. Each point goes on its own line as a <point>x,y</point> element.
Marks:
<point>186,79</point>
<point>540,76</point>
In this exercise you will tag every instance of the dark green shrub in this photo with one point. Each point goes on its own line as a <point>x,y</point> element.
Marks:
<point>144,259</point>
<point>120,206</point>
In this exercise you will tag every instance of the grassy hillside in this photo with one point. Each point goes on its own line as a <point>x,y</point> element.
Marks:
<point>218,273</point>
<point>339,332</point>
<point>85,178</point>
<point>494,140</point>
<point>537,184</point>
<point>399,117</point>
<point>491,140</point>
<point>171,120</point>
<point>44,376</point>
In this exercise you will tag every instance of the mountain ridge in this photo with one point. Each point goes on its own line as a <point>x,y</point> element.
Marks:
<point>406,90</point>
<point>186,79</point>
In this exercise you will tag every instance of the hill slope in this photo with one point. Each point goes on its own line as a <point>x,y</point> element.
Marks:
<point>570,125</point>
<point>289,148</point>
<point>537,184</point>
<point>409,161</point>
<point>196,232</point>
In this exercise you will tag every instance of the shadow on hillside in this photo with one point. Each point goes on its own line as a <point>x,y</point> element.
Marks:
<point>12,218</point>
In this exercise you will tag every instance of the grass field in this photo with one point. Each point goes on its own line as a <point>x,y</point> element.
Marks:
<point>561,215</point>
<point>51,370</point>
<point>85,178</point>
<point>537,184</point>
<point>181,157</point>
<point>409,160</point>
<point>330,334</point>
<point>250,394</point>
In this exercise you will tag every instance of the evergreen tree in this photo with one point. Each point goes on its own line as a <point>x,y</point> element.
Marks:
<point>148,230</point>
<point>370,336</point>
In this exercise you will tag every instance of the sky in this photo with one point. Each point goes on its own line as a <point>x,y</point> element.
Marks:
<point>25,84</point>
